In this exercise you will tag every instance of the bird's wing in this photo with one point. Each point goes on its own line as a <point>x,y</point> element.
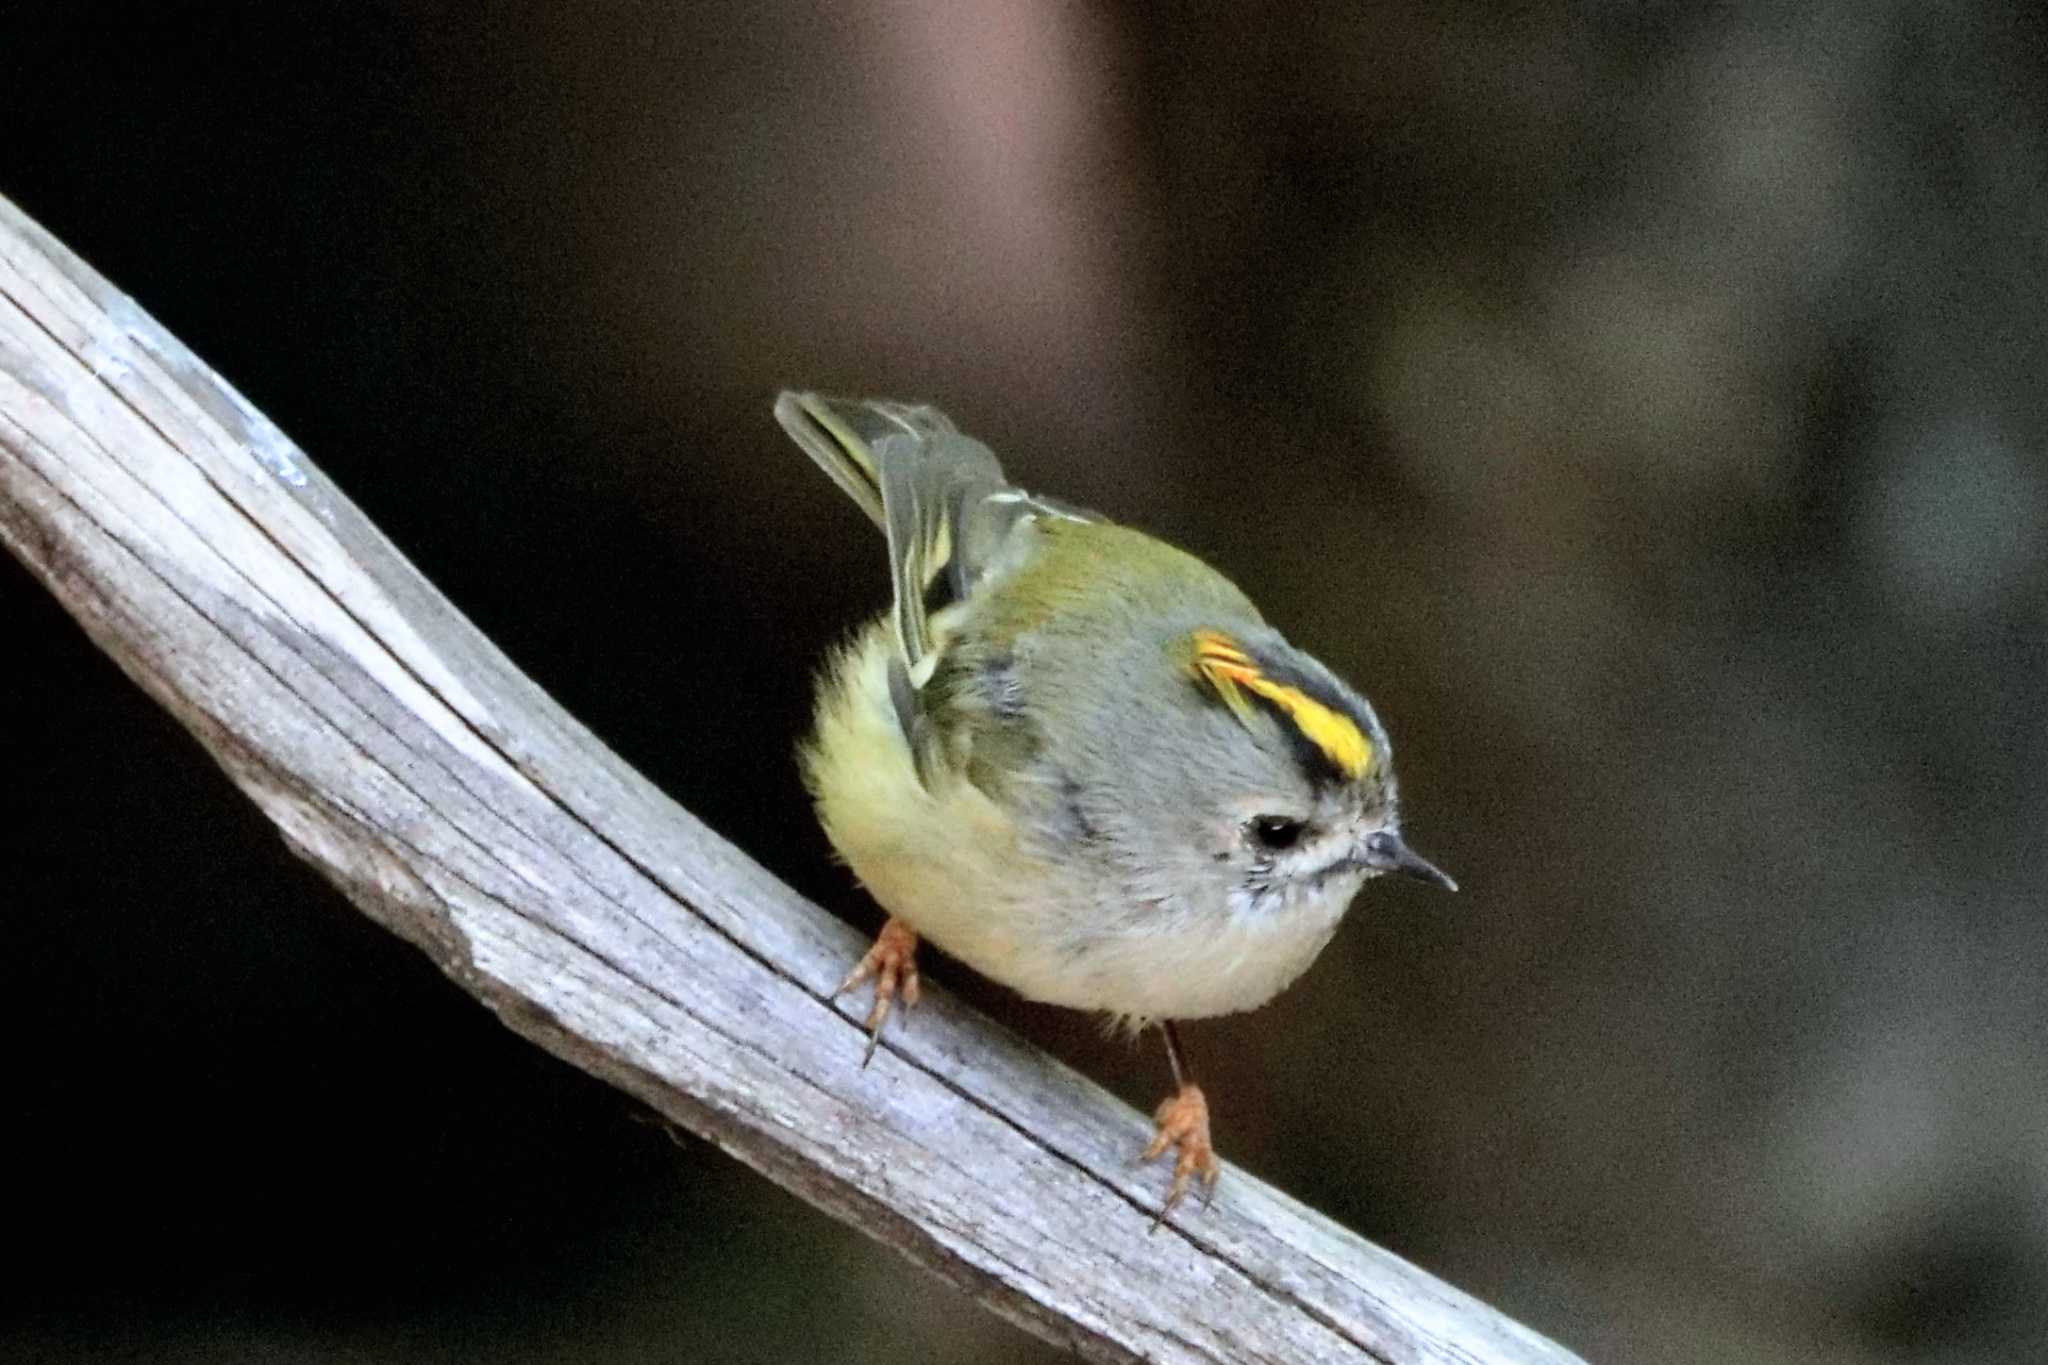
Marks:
<point>941,499</point>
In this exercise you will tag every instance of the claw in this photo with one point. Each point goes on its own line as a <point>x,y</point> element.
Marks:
<point>892,962</point>
<point>1184,1124</point>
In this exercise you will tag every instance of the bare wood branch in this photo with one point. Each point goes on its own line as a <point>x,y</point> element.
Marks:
<point>402,755</point>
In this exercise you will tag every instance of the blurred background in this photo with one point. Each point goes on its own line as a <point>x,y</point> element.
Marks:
<point>1642,402</point>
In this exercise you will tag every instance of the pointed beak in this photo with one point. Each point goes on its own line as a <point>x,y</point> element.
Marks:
<point>1386,852</point>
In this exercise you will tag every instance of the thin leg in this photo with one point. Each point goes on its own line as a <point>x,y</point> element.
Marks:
<point>892,962</point>
<point>1175,1058</point>
<point>1184,1125</point>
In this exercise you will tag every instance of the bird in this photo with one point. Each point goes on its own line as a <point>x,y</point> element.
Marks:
<point>1077,759</point>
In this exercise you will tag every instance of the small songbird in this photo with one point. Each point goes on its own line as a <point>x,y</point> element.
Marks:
<point>1077,759</point>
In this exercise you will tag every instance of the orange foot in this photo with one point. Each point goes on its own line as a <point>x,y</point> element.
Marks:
<point>1184,1123</point>
<point>892,962</point>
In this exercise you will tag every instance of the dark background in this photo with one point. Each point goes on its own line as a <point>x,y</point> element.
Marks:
<point>1642,402</point>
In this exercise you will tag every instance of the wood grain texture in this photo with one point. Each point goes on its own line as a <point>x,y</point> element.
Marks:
<point>402,755</point>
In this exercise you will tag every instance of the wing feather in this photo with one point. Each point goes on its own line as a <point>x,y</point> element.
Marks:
<point>940,498</point>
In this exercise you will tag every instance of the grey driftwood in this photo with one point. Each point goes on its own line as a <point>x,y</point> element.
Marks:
<point>401,754</point>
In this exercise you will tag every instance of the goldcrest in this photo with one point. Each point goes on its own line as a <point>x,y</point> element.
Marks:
<point>1077,758</point>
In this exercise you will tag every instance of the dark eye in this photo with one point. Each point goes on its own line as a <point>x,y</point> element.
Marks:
<point>1277,831</point>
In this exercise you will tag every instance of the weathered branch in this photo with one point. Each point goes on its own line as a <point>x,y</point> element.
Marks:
<point>402,755</point>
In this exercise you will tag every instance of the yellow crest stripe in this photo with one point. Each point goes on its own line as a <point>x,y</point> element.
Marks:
<point>1220,661</point>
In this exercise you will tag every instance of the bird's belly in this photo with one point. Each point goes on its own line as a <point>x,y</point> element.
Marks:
<point>1052,942</point>
<point>1189,966</point>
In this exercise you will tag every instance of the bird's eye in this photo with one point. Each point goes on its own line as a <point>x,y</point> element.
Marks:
<point>1277,831</point>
